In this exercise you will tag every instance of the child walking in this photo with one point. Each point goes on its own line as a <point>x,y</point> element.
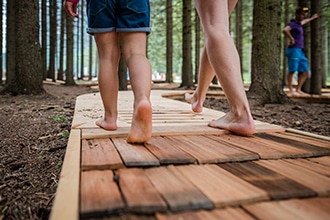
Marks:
<point>110,22</point>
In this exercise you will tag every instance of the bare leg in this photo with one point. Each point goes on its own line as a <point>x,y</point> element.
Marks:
<point>205,76</point>
<point>134,51</point>
<point>224,59</point>
<point>109,53</point>
<point>301,79</point>
<point>289,80</point>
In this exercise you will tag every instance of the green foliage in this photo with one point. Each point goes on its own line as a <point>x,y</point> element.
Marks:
<point>60,118</point>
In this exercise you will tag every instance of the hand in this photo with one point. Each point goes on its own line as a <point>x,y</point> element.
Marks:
<point>292,42</point>
<point>315,16</point>
<point>71,8</point>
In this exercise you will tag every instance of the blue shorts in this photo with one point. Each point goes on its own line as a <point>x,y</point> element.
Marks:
<point>297,61</point>
<point>118,15</point>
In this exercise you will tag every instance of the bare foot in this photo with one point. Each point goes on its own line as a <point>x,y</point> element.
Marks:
<point>111,125</point>
<point>141,124</point>
<point>196,105</point>
<point>299,92</point>
<point>238,125</point>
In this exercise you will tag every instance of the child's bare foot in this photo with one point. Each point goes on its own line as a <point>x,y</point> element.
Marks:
<point>196,105</point>
<point>237,125</point>
<point>106,125</point>
<point>141,123</point>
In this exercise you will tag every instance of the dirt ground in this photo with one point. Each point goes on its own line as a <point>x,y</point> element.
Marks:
<point>34,131</point>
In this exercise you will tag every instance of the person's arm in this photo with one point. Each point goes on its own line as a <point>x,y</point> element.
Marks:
<point>287,33</point>
<point>307,20</point>
<point>71,7</point>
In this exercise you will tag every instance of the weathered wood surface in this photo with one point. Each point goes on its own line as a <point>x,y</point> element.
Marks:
<point>189,170</point>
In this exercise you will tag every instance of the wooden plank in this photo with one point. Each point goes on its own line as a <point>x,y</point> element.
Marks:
<point>202,154</point>
<point>322,160</point>
<point>216,214</point>
<point>220,186</point>
<point>315,150</point>
<point>99,194</point>
<point>310,165</point>
<point>287,150</point>
<point>308,134</point>
<point>167,152</point>
<point>179,193</point>
<point>68,187</point>
<point>140,195</point>
<point>226,213</point>
<point>276,185</point>
<point>304,209</point>
<point>265,150</point>
<point>304,138</point>
<point>231,152</point>
<point>308,178</point>
<point>134,154</point>
<point>99,154</point>
<point>206,150</point>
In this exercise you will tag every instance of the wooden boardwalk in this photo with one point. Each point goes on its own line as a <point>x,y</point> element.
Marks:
<point>189,170</point>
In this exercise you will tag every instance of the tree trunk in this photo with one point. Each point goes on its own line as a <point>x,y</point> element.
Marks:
<point>187,76</point>
<point>90,66</point>
<point>44,37</point>
<point>52,37</point>
<point>198,44</point>
<point>316,49</point>
<point>122,74</point>
<point>63,24</point>
<point>82,49</point>
<point>10,41</point>
<point>169,42</point>
<point>27,68</point>
<point>285,42</point>
<point>239,31</point>
<point>266,84</point>
<point>1,45</point>
<point>69,52</point>
<point>307,43</point>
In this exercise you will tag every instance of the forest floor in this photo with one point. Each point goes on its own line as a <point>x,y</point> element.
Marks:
<point>34,131</point>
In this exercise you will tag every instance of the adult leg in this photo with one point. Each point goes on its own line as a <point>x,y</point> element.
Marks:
<point>134,52</point>
<point>302,76</point>
<point>109,54</point>
<point>205,75</point>
<point>289,81</point>
<point>224,59</point>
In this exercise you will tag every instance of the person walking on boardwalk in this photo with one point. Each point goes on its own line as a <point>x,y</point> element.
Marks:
<point>110,22</point>
<point>220,57</point>
<point>297,61</point>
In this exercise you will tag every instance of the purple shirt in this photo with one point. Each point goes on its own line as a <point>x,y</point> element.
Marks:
<point>297,33</point>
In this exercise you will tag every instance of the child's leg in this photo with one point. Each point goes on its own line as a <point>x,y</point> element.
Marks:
<point>224,59</point>
<point>134,52</point>
<point>109,54</point>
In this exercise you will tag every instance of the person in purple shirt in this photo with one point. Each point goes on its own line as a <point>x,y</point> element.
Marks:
<point>297,61</point>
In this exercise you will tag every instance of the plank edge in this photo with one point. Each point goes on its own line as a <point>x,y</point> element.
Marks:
<point>66,203</point>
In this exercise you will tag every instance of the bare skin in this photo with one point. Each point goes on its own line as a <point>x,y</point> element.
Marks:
<point>141,124</point>
<point>134,54</point>
<point>220,57</point>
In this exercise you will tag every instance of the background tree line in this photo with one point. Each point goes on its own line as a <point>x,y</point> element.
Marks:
<point>42,42</point>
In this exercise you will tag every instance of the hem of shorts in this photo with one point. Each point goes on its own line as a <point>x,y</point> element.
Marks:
<point>99,30</point>
<point>104,30</point>
<point>147,30</point>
